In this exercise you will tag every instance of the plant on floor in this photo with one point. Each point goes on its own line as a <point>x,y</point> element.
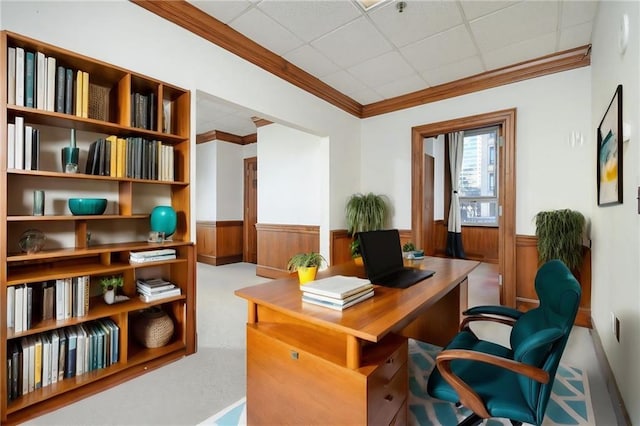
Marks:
<point>560,235</point>
<point>365,212</point>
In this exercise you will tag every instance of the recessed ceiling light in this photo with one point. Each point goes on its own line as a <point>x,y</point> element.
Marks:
<point>368,5</point>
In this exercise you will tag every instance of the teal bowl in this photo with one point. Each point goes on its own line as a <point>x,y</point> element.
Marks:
<point>87,206</point>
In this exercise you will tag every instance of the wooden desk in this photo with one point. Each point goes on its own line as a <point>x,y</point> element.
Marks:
<point>307,364</point>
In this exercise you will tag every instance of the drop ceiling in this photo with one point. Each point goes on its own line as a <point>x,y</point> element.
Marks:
<point>384,53</point>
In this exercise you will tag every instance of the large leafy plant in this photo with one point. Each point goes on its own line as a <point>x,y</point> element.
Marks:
<point>365,212</point>
<point>560,234</point>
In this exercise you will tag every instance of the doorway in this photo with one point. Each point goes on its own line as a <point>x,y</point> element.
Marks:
<point>250,234</point>
<point>505,120</point>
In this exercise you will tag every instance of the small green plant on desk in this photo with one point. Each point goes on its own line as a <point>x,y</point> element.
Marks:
<point>306,264</point>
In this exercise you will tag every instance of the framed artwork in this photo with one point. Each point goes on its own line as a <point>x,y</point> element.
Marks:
<point>609,175</point>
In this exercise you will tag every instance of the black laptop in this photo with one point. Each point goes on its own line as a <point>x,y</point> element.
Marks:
<point>382,257</point>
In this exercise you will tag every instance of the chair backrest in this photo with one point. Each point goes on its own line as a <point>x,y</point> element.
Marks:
<point>540,335</point>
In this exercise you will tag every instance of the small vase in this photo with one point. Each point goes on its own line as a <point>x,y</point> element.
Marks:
<point>307,274</point>
<point>109,296</point>
<point>164,219</point>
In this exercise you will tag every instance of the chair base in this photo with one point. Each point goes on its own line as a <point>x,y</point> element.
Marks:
<point>475,419</point>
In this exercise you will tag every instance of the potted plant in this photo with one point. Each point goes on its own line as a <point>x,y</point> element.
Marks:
<point>365,212</point>
<point>110,286</point>
<point>306,264</point>
<point>560,235</point>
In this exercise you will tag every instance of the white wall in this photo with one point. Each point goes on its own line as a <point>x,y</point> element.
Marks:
<point>616,229</point>
<point>230,181</point>
<point>140,41</point>
<point>549,173</point>
<point>205,194</point>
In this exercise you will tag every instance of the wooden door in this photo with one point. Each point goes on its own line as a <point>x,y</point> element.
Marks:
<point>427,216</point>
<point>250,251</point>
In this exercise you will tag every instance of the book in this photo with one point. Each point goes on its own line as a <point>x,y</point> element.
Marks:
<point>40,81</point>
<point>335,301</point>
<point>35,149</point>
<point>18,326</point>
<point>11,76</point>
<point>113,155</point>
<point>26,360</point>
<point>11,147</point>
<point>59,296</point>
<point>20,76</point>
<point>11,306</point>
<point>152,259</point>
<point>50,96</point>
<point>19,148</point>
<point>60,89</point>
<point>151,253</point>
<point>29,79</point>
<point>28,146</point>
<point>69,90</point>
<point>48,297</point>
<point>55,354</point>
<point>144,289</point>
<point>337,286</point>
<point>162,295</point>
<point>78,90</point>
<point>70,360</point>
<point>85,94</point>
<point>338,307</point>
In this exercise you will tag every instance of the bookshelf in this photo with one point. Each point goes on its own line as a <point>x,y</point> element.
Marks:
<point>109,103</point>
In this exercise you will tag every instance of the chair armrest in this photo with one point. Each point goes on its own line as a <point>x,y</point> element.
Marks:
<point>468,397</point>
<point>499,314</point>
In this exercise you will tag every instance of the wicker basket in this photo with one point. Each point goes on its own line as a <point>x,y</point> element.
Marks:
<point>153,328</point>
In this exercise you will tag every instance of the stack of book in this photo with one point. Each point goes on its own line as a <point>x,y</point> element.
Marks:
<point>152,289</point>
<point>337,292</point>
<point>151,255</point>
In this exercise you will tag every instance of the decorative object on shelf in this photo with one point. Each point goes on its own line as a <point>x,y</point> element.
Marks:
<point>306,264</point>
<point>410,252</point>
<point>87,206</point>
<point>70,155</point>
<point>38,203</point>
<point>365,212</point>
<point>609,162</point>
<point>32,241</point>
<point>560,235</point>
<point>163,219</point>
<point>110,287</point>
<point>153,328</point>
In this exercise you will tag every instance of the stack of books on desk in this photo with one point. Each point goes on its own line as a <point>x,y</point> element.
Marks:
<point>337,292</point>
<point>155,289</point>
<point>151,255</point>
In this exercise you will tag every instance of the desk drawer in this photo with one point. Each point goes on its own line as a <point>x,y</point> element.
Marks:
<point>386,396</point>
<point>390,364</point>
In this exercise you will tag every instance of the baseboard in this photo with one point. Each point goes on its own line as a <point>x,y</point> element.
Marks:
<point>219,260</point>
<point>622,416</point>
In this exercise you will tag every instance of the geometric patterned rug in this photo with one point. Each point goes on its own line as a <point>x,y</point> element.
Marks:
<point>569,404</point>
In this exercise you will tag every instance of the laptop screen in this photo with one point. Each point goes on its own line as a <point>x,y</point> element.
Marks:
<point>381,252</point>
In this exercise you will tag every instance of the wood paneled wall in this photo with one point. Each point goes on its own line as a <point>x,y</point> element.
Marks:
<point>526,268</point>
<point>277,243</point>
<point>340,244</point>
<point>219,242</point>
<point>479,242</point>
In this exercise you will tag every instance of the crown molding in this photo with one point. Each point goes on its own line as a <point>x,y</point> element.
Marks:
<point>219,135</point>
<point>198,22</point>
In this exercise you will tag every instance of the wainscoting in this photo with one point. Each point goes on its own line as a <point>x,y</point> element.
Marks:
<point>526,268</point>
<point>479,242</point>
<point>219,242</point>
<point>277,243</point>
<point>340,244</point>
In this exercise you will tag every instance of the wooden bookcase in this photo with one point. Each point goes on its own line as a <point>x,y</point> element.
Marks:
<point>99,245</point>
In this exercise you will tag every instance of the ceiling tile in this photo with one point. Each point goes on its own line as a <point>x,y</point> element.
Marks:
<point>454,71</point>
<point>382,69</point>
<point>514,24</point>
<point>344,82</point>
<point>420,19</point>
<point>224,11</point>
<point>476,8</point>
<point>444,48</point>
<point>312,61</point>
<point>366,96</point>
<point>578,12</point>
<point>519,52</point>
<point>352,43</point>
<point>265,31</point>
<point>310,19</point>
<point>578,35</point>
<point>402,86</point>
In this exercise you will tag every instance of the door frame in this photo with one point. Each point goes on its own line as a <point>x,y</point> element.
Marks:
<point>248,192</point>
<point>506,119</point>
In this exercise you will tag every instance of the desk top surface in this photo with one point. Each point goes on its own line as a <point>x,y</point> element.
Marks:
<point>373,318</point>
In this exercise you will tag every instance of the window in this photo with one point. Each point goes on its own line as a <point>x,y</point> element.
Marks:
<point>477,184</point>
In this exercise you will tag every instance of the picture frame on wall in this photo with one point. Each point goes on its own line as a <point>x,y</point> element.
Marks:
<point>609,158</point>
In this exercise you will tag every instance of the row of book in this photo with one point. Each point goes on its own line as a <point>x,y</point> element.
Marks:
<point>39,81</point>
<point>43,359</point>
<point>144,111</point>
<point>337,292</point>
<point>152,255</point>
<point>133,157</point>
<point>152,289</point>
<point>23,149</point>
<point>28,304</point>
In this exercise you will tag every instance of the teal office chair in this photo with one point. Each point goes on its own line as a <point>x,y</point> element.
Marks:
<point>513,383</point>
